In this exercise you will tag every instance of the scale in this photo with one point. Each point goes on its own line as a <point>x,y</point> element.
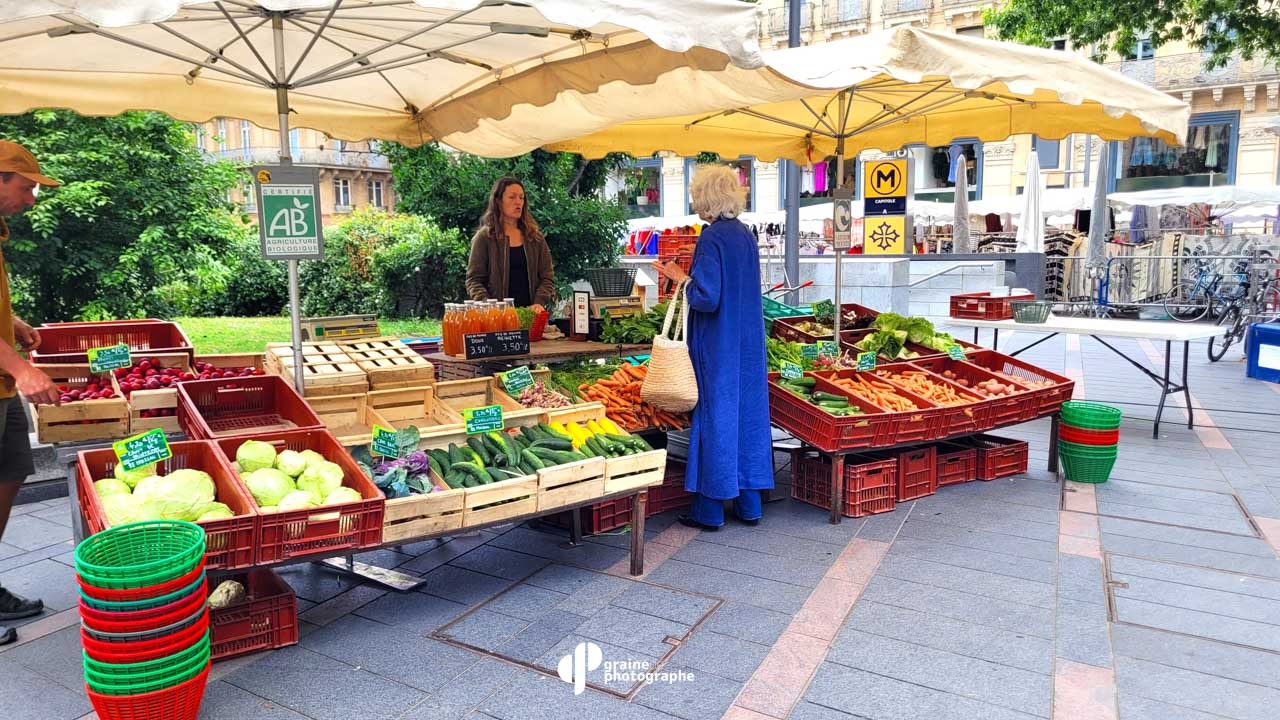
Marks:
<point>618,307</point>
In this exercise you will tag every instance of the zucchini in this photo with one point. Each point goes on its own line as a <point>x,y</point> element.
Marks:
<point>828,397</point>
<point>508,446</point>
<point>556,444</point>
<point>804,382</point>
<point>477,447</point>
<point>455,455</point>
<point>530,456</point>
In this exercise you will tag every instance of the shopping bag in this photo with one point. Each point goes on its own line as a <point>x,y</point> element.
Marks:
<point>670,384</point>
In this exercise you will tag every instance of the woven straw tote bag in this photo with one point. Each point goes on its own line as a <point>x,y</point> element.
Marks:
<point>670,384</point>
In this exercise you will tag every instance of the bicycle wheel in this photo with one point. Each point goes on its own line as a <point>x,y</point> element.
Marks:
<point>1187,302</point>
<point>1233,320</point>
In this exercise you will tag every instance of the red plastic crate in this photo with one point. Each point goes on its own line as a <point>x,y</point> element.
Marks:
<point>268,619</point>
<point>667,287</point>
<point>1049,397</point>
<point>319,530</point>
<point>673,246</point>
<point>928,421</point>
<point>917,474</point>
<point>981,306</point>
<point>848,338</point>
<point>670,495</point>
<point>610,515</point>
<point>211,409</point>
<point>870,484</point>
<point>960,419</point>
<point>956,464</point>
<point>999,457</point>
<point>862,312</point>
<point>827,432</point>
<point>786,329</point>
<point>70,343</point>
<point>1000,410</point>
<point>229,543</point>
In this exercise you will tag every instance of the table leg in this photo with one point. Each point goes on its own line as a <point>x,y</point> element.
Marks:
<point>975,336</point>
<point>639,508</point>
<point>1055,422</point>
<point>837,487</point>
<point>575,527</point>
<point>995,339</point>
<point>1186,386</point>
<point>1164,391</point>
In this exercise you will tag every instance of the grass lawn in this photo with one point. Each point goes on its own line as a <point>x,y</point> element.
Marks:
<point>249,334</point>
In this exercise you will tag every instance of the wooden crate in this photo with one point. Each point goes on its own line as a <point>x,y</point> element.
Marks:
<point>481,392</point>
<point>234,361</point>
<point>414,407</point>
<point>571,484</point>
<point>341,327</point>
<point>419,516</point>
<point>83,420</point>
<point>327,369</point>
<point>519,496</point>
<point>348,417</point>
<point>624,473</point>
<point>389,363</point>
<point>163,399</point>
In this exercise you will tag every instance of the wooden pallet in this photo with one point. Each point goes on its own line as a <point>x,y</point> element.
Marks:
<point>390,363</point>
<point>349,417</point>
<point>84,420</point>
<point>327,369</point>
<point>414,407</point>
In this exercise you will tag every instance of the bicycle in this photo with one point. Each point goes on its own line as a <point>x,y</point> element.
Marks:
<point>1192,300</point>
<point>1264,302</point>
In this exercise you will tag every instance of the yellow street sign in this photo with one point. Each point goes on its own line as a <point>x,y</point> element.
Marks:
<point>884,235</point>
<point>884,187</point>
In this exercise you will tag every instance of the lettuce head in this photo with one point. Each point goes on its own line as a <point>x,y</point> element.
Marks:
<point>297,500</point>
<point>110,486</point>
<point>255,455</point>
<point>131,477</point>
<point>321,479</point>
<point>268,485</point>
<point>291,463</point>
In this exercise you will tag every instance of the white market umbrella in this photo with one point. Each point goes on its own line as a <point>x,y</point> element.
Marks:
<point>1031,226</point>
<point>412,71</point>
<point>961,237</point>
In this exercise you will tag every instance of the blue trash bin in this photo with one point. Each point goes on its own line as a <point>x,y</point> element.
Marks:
<point>1263,340</point>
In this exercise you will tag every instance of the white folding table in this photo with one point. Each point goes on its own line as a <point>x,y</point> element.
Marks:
<point>1098,328</point>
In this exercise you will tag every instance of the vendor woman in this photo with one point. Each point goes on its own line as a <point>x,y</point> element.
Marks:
<point>509,255</point>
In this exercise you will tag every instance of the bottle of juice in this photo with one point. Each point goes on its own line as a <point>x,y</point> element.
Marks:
<point>494,316</point>
<point>446,331</point>
<point>466,320</point>
<point>452,329</point>
<point>511,321</point>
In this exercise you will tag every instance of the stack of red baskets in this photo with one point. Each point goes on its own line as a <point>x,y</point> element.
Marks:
<point>144,622</point>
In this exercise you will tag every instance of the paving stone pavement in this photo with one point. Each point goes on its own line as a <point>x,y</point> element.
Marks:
<point>1155,596</point>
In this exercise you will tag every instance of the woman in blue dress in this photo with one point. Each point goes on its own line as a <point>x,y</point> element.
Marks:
<point>730,448</point>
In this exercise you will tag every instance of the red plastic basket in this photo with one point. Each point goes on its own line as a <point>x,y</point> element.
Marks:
<point>670,495</point>
<point>981,306</point>
<point>144,620</point>
<point>999,457</point>
<point>869,483</point>
<point>672,246</point>
<point>1049,389</point>
<point>267,620</point>
<point>960,419</point>
<point>180,702</point>
<point>928,421</point>
<point>140,594</point>
<point>1021,406</point>
<point>143,650</point>
<point>828,432</point>
<point>667,287</point>
<point>71,343</point>
<point>956,464</point>
<point>229,543</point>
<point>917,473</point>
<point>1085,436</point>
<point>320,530</point>
<point>209,409</point>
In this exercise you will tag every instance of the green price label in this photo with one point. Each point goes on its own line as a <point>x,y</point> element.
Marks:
<point>866,361</point>
<point>809,352</point>
<point>139,450</point>
<point>828,348</point>
<point>386,442</point>
<point>824,310</point>
<point>109,358</point>
<point>483,419</point>
<point>955,352</point>
<point>516,380</point>
<point>792,371</point>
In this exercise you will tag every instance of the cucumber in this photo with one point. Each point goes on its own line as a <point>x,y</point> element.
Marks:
<point>804,382</point>
<point>495,475</point>
<point>477,447</point>
<point>585,449</point>
<point>436,467</point>
<point>453,480</point>
<point>556,444</point>
<point>530,456</point>
<point>455,455</point>
<point>469,455</point>
<point>826,396</point>
<point>554,457</point>
<point>597,445</point>
<point>508,446</point>
<point>441,457</point>
<point>531,434</point>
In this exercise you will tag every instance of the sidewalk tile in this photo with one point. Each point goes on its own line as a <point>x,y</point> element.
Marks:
<point>865,694</point>
<point>645,634</point>
<point>525,601</point>
<point>977,582</point>
<point>674,605</point>
<point>1083,635</point>
<point>1197,691</point>
<point>223,701</point>
<point>1025,619</point>
<point>321,687</point>
<point>1080,578</point>
<point>25,694</point>
<point>747,622</point>
<point>1084,691</point>
<point>455,700</point>
<point>1198,655</point>
<point>408,658</point>
<point>543,633</point>
<point>722,655</point>
<point>704,697</point>
<point>499,562</point>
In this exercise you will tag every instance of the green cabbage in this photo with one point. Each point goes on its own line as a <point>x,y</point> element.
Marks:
<point>297,500</point>
<point>321,479</point>
<point>121,508</point>
<point>200,483</point>
<point>291,463</point>
<point>110,486</point>
<point>267,509</point>
<point>268,485</point>
<point>131,477</point>
<point>312,457</point>
<point>213,511</point>
<point>255,455</point>
<point>343,495</point>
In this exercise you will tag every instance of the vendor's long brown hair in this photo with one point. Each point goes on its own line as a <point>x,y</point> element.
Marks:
<point>491,221</point>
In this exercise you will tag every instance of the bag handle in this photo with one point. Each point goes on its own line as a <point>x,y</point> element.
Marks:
<point>682,323</point>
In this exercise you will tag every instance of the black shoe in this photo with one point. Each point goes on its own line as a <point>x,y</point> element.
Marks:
<point>688,521</point>
<point>7,635</point>
<point>13,607</point>
<point>749,523</point>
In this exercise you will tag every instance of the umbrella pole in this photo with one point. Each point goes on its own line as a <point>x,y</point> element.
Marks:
<point>835,327</point>
<point>286,159</point>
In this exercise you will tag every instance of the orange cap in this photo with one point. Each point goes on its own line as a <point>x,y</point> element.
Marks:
<point>16,159</point>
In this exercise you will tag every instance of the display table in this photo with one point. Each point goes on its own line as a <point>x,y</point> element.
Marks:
<point>1099,328</point>
<point>543,351</point>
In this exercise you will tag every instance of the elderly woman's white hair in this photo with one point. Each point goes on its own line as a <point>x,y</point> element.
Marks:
<point>716,193</point>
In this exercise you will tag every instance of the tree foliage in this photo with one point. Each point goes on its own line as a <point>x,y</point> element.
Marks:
<point>140,212</point>
<point>562,190</point>
<point>1221,28</point>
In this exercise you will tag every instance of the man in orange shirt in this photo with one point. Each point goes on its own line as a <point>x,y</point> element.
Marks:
<point>19,176</point>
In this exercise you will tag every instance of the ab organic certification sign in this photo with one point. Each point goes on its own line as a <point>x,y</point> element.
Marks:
<point>289,212</point>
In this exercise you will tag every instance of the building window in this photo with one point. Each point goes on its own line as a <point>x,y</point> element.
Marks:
<point>375,194</point>
<point>1050,152</point>
<point>246,140</point>
<point>200,138</point>
<point>342,194</point>
<point>1143,49</point>
<point>933,169</point>
<point>249,198</point>
<point>375,146</point>
<point>222,134</point>
<point>745,167</point>
<point>1207,159</point>
<point>819,180</point>
<point>1060,45</point>
<point>342,146</point>
<point>977,31</point>
<point>638,188</point>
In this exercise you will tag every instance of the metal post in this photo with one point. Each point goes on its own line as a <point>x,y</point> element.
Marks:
<point>791,241</point>
<point>286,159</point>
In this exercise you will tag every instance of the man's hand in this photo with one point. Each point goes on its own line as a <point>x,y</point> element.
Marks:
<point>28,337</point>
<point>36,386</point>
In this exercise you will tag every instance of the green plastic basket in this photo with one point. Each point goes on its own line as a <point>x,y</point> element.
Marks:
<point>139,554</point>
<point>109,673</point>
<point>1092,451</point>
<point>1085,469</point>
<point>774,310</point>
<point>1031,312</point>
<point>175,676</point>
<point>136,605</point>
<point>1090,415</point>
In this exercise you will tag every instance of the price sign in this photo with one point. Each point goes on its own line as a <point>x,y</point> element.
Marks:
<point>792,371</point>
<point>139,450</point>
<point>809,352</point>
<point>955,352</point>
<point>496,344</point>
<point>516,380</point>
<point>824,311</point>
<point>483,419</point>
<point>385,442</point>
<point>109,358</point>
<point>866,361</point>
<point>828,348</point>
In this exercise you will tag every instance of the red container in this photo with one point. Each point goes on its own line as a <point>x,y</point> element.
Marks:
<point>71,343</point>
<point>999,457</point>
<point>610,515</point>
<point>849,338</point>
<point>1050,390</point>
<point>869,483</point>
<point>670,495</point>
<point>1086,436</point>
<point>667,287</point>
<point>209,409</point>
<point>981,306</point>
<point>143,650</point>
<point>321,530</point>
<point>866,316</point>
<point>145,620</point>
<point>229,543</point>
<point>268,619</point>
<point>917,473</point>
<point>672,246</point>
<point>787,329</point>
<point>928,421</point>
<point>180,702</point>
<point>140,594</point>
<point>828,432</point>
<point>1000,411</point>
<point>539,326</point>
<point>956,464</point>
<point>961,419</point>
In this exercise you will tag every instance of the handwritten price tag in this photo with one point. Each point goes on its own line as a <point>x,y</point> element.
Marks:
<point>809,352</point>
<point>792,371</point>
<point>483,419</point>
<point>109,358</point>
<point>866,361</point>
<point>955,352</point>
<point>828,348</point>
<point>385,442</point>
<point>516,380</point>
<point>140,450</point>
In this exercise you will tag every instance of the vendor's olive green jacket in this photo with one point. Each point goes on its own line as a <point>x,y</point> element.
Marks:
<point>487,275</point>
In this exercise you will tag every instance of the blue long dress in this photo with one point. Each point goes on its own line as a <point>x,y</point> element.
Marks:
<point>730,447</point>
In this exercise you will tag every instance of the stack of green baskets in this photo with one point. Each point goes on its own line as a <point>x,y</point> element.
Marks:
<point>1088,441</point>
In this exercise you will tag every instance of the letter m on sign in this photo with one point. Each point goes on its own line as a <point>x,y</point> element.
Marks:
<point>885,179</point>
